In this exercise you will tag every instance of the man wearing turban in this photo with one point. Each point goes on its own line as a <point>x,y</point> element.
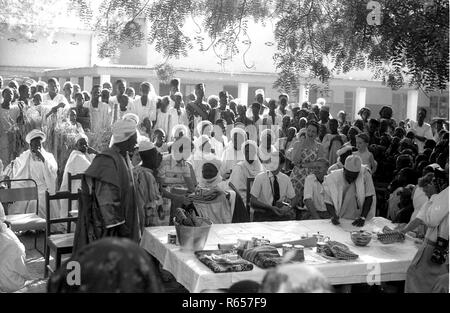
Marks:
<point>108,199</point>
<point>350,193</point>
<point>40,165</point>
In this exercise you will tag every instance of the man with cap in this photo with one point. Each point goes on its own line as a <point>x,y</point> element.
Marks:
<point>40,165</point>
<point>108,202</point>
<point>350,193</point>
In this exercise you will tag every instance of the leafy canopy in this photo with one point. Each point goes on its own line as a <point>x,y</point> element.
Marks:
<point>400,41</point>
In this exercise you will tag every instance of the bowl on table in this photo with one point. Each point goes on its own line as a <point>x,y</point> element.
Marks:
<point>361,237</point>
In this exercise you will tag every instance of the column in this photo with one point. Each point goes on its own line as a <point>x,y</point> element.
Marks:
<point>360,101</point>
<point>104,79</point>
<point>74,80</point>
<point>87,83</point>
<point>411,105</point>
<point>243,93</point>
<point>303,93</point>
<point>62,81</point>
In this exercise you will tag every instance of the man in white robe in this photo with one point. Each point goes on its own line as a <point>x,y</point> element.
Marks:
<point>40,165</point>
<point>350,193</point>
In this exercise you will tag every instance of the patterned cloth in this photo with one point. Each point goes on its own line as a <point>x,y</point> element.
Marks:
<point>239,265</point>
<point>299,175</point>
<point>263,256</point>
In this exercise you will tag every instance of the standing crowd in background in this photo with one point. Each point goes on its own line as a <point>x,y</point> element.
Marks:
<point>144,155</point>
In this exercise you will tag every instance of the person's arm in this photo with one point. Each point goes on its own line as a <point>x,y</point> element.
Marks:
<point>190,180</point>
<point>331,210</point>
<point>373,164</point>
<point>312,209</point>
<point>175,197</point>
<point>261,205</point>
<point>308,193</point>
<point>412,225</point>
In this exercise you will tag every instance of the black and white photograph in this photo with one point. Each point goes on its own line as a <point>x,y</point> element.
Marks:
<point>224,151</point>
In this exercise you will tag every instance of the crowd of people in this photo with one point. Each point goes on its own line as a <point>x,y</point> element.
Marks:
<point>145,155</point>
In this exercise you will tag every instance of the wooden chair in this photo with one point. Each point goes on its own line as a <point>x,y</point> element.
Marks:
<point>70,212</point>
<point>60,243</point>
<point>249,188</point>
<point>23,221</point>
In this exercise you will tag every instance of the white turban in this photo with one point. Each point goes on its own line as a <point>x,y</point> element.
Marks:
<point>259,92</point>
<point>131,116</point>
<point>353,163</point>
<point>123,130</point>
<point>35,133</point>
<point>146,145</point>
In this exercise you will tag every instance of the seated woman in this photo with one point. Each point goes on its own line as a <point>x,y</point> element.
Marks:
<point>248,168</point>
<point>266,146</point>
<point>176,175</point>
<point>233,152</point>
<point>214,199</point>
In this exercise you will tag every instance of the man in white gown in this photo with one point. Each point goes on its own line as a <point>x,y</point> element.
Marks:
<point>40,165</point>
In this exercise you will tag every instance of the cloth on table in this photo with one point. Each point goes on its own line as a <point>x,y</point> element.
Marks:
<point>218,261</point>
<point>263,256</point>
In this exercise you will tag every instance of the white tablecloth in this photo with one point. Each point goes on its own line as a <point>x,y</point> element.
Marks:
<point>377,262</point>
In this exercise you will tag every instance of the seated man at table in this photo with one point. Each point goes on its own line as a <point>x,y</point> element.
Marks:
<point>313,195</point>
<point>350,193</point>
<point>270,190</point>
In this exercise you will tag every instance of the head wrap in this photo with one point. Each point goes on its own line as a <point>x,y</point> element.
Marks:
<point>35,133</point>
<point>353,163</point>
<point>41,83</point>
<point>131,116</point>
<point>259,92</point>
<point>146,145</point>
<point>123,129</point>
<point>214,181</point>
<point>80,136</point>
<point>201,125</point>
<point>365,109</point>
<point>178,129</point>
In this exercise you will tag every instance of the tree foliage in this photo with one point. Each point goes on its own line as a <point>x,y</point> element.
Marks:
<point>316,39</point>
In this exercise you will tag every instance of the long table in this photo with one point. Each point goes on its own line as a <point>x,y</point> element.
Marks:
<point>377,262</point>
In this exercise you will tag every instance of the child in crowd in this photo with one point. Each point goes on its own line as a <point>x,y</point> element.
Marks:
<point>159,138</point>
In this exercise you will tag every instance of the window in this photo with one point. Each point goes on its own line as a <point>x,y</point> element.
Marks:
<point>349,104</point>
<point>399,103</point>
<point>439,106</point>
<point>232,90</point>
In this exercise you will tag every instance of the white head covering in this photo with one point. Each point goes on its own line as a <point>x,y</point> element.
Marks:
<point>201,125</point>
<point>212,182</point>
<point>41,83</point>
<point>256,167</point>
<point>353,163</point>
<point>123,129</point>
<point>146,145</point>
<point>239,131</point>
<point>180,128</point>
<point>259,92</point>
<point>199,142</point>
<point>131,116</point>
<point>35,133</point>
<point>80,136</point>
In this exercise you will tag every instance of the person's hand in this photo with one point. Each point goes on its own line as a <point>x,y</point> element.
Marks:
<point>359,222</point>
<point>39,155</point>
<point>91,150</point>
<point>186,200</point>
<point>335,220</point>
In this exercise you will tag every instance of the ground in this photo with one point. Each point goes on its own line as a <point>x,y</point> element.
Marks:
<point>35,265</point>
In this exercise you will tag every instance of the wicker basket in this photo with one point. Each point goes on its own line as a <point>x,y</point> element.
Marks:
<point>361,238</point>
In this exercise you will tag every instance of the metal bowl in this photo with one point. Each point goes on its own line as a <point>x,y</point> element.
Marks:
<point>193,238</point>
<point>361,238</point>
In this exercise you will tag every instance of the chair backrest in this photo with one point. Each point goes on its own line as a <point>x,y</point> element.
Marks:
<point>72,178</point>
<point>61,195</point>
<point>20,194</point>
<point>249,188</point>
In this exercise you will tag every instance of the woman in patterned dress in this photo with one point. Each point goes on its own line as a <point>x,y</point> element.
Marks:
<point>305,153</point>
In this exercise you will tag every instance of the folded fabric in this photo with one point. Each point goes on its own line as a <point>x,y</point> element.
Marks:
<point>339,251</point>
<point>263,256</point>
<point>389,236</point>
<point>223,261</point>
